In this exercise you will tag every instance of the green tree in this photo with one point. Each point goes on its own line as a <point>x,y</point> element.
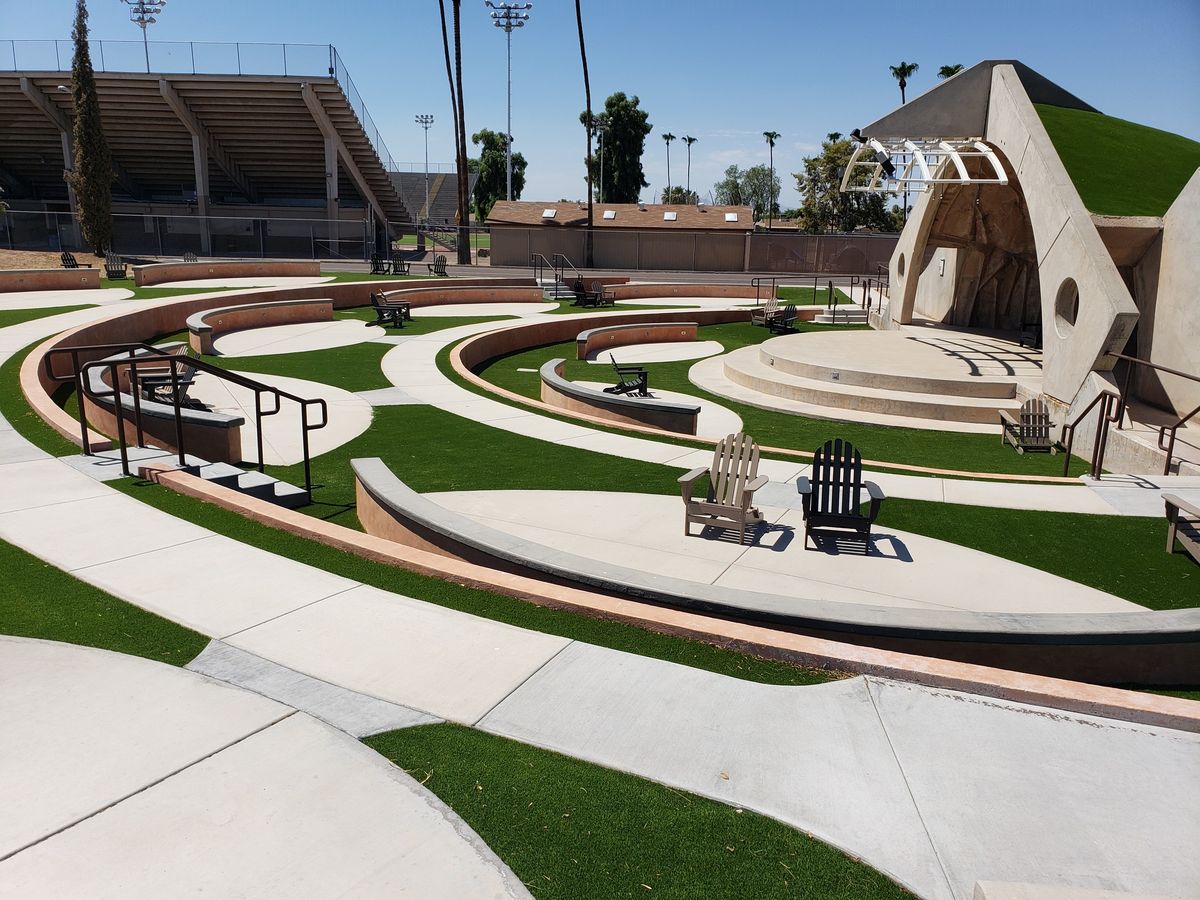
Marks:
<point>91,175</point>
<point>625,130</point>
<point>949,71</point>
<point>823,205</point>
<point>728,191</point>
<point>491,166</point>
<point>760,188</point>
<point>680,194</point>
<point>902,73</point>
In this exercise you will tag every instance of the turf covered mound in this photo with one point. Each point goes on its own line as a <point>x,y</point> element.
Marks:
<point>1120,168</point>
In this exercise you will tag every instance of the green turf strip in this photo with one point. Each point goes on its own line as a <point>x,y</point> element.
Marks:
<point>909,446</point>
<point>603,633</point>
<point>10,317</point>
<point>1122,555</point>
<point>39,601</point>
<point>570,829</point>
<point>1120,168</point>
<point>806,296</point>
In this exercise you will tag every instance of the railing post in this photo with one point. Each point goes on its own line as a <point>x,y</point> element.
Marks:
<point>118,408</point>
<point>304,442</point>
<point>177,401</point>
<point>137,402</point>
<point>192,47</point>
<point>258,426</point>
<point>238,48</point>
<point>83,426</point>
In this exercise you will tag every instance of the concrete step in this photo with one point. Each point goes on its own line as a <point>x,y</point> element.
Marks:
<point>846,314</point>
<point>254,484</point>
<point>746,367</point>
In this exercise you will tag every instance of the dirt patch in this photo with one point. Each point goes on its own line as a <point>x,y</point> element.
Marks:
<point>40,259</point>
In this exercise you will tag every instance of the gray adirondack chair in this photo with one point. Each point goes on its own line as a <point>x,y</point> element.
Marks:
<point>765,314</point>
<point>1029,429</point>
<point>733,479</point>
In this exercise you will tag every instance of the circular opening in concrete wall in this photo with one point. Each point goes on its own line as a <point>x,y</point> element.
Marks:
<point>900,266</point>
<point>1066,307</point>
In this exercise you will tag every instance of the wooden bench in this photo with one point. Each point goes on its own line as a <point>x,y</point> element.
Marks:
<point>114,266</point>
<point>732,480</point>
<point>438,266</point>
<point>1029,429</point>
<point>639,386</point>
<point>831,495</point>
<point>1183,519</point>
<point>393,312</point>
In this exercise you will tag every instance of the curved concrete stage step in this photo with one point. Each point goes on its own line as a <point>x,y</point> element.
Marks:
<point>709,374</point>
<point>746,367</point>
<point>889,361</point>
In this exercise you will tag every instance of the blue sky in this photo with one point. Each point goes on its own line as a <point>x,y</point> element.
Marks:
<point>722,72</point>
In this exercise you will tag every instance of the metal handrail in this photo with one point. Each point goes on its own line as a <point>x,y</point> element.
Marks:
<point>151,355</point>
<point>1165,443</point>
<point>757,282</point>
<point>1111,409</point>
<point>540,264</point>
<point>561,264</point>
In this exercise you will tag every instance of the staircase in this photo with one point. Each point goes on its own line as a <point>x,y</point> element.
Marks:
<point>845,314</point>
<point>251,483</point>
<point>555,289</point>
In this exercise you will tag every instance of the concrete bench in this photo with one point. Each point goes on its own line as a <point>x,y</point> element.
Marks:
<point>214,436</point>
<point>206,326</point>
<point>157,273</point>
<point>49,280</point>
<point>557,391</point>
<point>609,336</point>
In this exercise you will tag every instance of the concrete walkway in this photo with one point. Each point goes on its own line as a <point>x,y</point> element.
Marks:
<point>412,366</point>
<point>134,779</point>
<point>55,299</point>
<point>937,789</point>
<point>298,338</point>
<point>642,531</point>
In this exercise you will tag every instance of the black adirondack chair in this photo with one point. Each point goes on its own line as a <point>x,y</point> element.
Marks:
<point>630,380</point>
<point>114,266</point>
<point>69,261</point>
<point>390,313</point>
<point>190,257</point>
<point>399,266</point>
<point>784,321</point>
<point>379,264</point>
<point>832,495</point>
<point>438,266</point>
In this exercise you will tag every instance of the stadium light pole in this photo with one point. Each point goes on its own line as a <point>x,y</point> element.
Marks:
<point>425,121</point>
<point>144,13</point>
<point>509,16</point>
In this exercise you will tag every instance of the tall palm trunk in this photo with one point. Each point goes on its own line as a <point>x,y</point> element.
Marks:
<point>464,207</point>
<point>587,93</point>
<point>450,82</point>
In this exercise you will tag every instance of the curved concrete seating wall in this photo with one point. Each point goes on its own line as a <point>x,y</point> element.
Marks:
<point>624,335</point>
<point>445,294</point>
<point>213,436</point>
<point>638,291</point>
<point>1137,648</point>
<point>157,273</point>
<point>205,327</point>
<point>481,348</point>
<point>49,279</point>
<point>152,318</point>
<point>557,391</point>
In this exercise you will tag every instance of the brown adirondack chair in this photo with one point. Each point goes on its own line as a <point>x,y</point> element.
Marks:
<point>733,478</point>
<point>1029,429</point>
<point>831,495</point>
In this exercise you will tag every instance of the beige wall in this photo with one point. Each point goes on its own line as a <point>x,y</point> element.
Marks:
<point>935,285</point>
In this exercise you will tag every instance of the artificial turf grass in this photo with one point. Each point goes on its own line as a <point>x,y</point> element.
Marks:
<point>615,635</point>
<point>1121,555</point>
<point>959,451</point>
<point>1120,168</point>
<point>41,601</point>
<point>571,829</point>
<point>10,317</point>
<point>806,296</point>
<point>20,415</point>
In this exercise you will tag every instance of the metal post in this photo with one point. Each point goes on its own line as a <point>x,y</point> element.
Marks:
<point>509,16</point>
<point>508,129</point>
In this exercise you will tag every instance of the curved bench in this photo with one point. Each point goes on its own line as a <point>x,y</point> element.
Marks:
<point>609,336</point>
<point>157,273</point>
<point>206,326</point>
<point>49,280</point>
<point>1100,647</point>
<point>684,289</point>
<point>445,294</point>
<point>216,437</point>
<point>558,392</point>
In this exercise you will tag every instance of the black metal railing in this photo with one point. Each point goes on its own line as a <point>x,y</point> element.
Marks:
<point>540,264</point>
<point>561,264</point>
<point>1166,433</point>
<point>758,283</point>
<point>149,357</point>
<point>1111,408</point>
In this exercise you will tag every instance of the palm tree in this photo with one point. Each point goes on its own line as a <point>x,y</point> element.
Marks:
<point>902,73</point>
<point>950,71</point>
<point>772,137</point>
<point>668,137</point>
<point>464,209</point>
<point>689,140</point>
<point>588,126</point>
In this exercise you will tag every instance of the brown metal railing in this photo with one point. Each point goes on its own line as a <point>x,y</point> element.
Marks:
<point>149,356</point>
<point>1166,433</point>
<point>1111,410</point>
